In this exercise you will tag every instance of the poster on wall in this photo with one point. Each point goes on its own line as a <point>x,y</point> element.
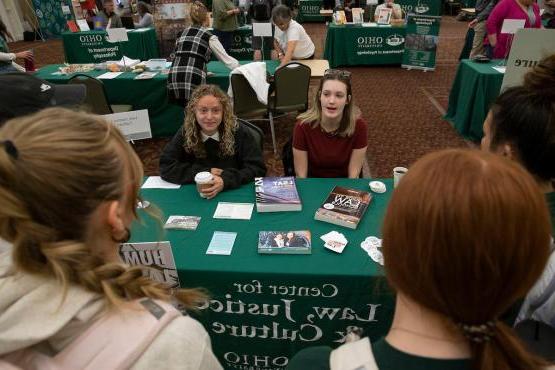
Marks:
<point>172,9</point>
<point>52,16</point>
<point>421,42</point>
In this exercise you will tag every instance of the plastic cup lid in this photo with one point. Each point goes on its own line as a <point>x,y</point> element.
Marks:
<point>377,187</point>
<point>203,176</point>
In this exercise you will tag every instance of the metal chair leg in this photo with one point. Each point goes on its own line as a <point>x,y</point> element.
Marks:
<point>273,132</point>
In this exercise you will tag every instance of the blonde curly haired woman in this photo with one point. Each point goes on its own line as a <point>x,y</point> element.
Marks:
<point>69,183</point>
<point>212,140</point>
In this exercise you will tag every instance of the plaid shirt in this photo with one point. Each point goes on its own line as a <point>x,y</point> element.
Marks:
<point>192,52</point>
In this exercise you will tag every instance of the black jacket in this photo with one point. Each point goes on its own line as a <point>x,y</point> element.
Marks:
<point>180,167</point>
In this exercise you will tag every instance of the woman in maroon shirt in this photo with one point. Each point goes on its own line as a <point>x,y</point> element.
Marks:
<point>330,139</point>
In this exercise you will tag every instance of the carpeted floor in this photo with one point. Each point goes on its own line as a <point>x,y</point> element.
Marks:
<point>404,108</point>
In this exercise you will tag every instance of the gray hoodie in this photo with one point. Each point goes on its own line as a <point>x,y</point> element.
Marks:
<point>31,315</point>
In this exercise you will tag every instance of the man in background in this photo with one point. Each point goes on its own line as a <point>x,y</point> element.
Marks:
<point>109,18</point>
<point>483,8</point>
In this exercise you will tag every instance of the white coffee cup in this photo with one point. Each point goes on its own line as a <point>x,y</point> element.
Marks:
<point>398,173</point>
<point>203,180</point>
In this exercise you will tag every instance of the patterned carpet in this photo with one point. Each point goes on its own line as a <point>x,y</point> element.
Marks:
<point>404,108</point>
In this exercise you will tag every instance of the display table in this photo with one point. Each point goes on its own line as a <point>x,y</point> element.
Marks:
<point>309,11</point>
<point>359,45</point>
<point>150,94</point>
<point>92,46</point>
<point>475,88</point>
<point>265,308</point>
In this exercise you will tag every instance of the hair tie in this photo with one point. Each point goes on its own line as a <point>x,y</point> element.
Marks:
<point>10,148</point>
<point>478,333</point>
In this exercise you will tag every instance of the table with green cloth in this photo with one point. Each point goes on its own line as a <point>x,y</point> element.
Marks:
<point>475,88</point>
<point>359,45</point>
<point>309,11</point>
<point>266,307</point>
<point>151,94</point>
<point>92,46</point>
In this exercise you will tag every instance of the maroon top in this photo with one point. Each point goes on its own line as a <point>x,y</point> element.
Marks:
<point>328,154</point>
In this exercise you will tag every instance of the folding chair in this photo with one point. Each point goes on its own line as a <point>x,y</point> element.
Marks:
<point>96,96</point>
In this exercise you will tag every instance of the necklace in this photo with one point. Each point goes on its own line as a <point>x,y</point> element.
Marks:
<point>431,337</point>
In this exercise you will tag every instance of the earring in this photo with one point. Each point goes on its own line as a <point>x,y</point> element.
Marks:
<point>123,239</point>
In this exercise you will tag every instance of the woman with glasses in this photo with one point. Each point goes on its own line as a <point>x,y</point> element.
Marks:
<point>290,39</point>
<point>330,139</point>
<point>212,140</point>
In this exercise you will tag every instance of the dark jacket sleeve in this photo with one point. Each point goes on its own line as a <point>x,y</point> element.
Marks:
<point>176,165</point>
<point>249,156</point>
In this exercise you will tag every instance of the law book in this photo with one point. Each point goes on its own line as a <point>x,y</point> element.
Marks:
<point>276,194</point>
<point>344,207</point>
<point>284,242</point>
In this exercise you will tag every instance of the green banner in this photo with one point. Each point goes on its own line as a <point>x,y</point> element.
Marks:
<point>241,46</point>
<point>92,46</point>
<point>52,20</point>
<point>421,42</point>
<point>420,7</point>
<point>309,11</point>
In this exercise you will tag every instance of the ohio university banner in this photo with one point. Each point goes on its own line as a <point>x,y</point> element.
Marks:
<point>421,42</point>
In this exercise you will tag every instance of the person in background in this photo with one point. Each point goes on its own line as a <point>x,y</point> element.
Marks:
<point>330,139</point>
<point>109,18</point>
<point>521,126</point>
<point>7,59</point>
<point>69,188</point>
<point>456,265</point>
<point>212,140</point>
<point>483,9</point>
<point>290,38</point>
<point>527,10</point>
<point>224,14</point>
<point>261,12</point>
<point>146,18</point>
<point>396,11</point>
<point>191,54</point>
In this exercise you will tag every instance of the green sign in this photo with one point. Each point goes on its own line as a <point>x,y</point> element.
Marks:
<point>92,46</point>
<point>309,11</point>
<point>420,7</point>
<point>52,20</point>
<point>241,46</point>
<point>358,45</point>
<point>421,42</point>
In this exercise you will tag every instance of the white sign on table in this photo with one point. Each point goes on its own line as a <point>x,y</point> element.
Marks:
<point>65,9</point>
<point>134,125</point>
<point>83,25</point>
<point>530,45</point>
<point>117,35</point>
<point>262,29</point>
<point>511,26</point>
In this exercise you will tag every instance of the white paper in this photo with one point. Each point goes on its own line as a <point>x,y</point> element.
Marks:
<point>236,211</point>
<point>134,125</point>
<point>500,69</point>
<point>65,9</point>
<point>158,256</point>
<point>512,25</point>
<point>262,29</point>
<point>109,75</point>
<point>83,25</point>
<point>156,182</point>
<point>370,24</point>
<point>117,34</point>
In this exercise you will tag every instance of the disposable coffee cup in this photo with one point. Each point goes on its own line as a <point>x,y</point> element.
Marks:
<point>203,181</point>
<point>398,173</point>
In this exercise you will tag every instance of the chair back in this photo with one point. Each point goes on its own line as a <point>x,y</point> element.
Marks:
<point>255,131</point>
<point>291,84</point>
<point>96,95</point>
<point>245,102</point>
<point>539,338</point>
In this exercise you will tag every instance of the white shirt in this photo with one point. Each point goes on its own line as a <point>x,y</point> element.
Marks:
<point>295,32</point>
<point>205,137</point>
<point>218,49</point>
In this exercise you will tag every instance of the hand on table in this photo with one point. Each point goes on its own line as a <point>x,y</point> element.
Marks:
<point>27,54</point>
<point>217,186</point>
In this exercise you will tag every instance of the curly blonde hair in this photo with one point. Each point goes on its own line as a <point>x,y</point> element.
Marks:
<point>199,13</point>
<point>191,130</point>
<point>66,165</point>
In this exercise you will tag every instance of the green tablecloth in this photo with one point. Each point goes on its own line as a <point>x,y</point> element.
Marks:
<point>475,87</point>
<point>92,47</point>
<point>358,45</point>
<point>309,11</point>
<point>338,290</point>
<point>421,7</point>
<point>151,94</point>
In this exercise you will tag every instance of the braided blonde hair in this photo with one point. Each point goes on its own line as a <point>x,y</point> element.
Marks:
<point>191,130</point>
<point>67,165</point>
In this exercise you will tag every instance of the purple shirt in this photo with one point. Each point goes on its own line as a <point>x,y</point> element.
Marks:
<point>508,9</point>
